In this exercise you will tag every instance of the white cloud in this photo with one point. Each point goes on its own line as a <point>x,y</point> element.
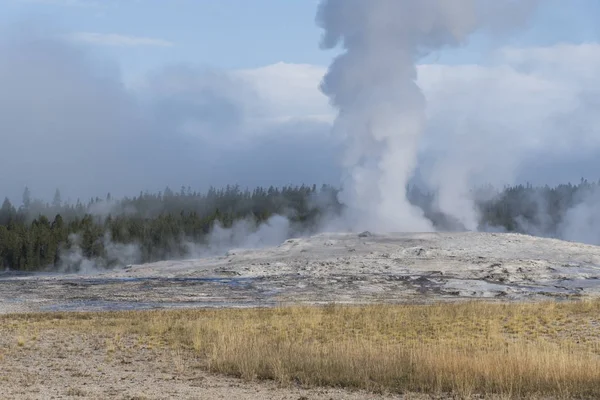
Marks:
<point>271,125</point>
<point>531,101</point>
<point>113,39</point>
<point>290,91</point>
<point>488,122</point>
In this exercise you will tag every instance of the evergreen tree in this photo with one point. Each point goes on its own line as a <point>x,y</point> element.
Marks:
<point>57,200</point>
<point>26,198</point>
<point>37,235</point>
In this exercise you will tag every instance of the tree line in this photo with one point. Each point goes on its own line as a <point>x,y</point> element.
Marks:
<point>37,235</point>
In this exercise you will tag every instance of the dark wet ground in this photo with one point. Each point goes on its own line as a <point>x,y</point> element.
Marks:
<point>51,292</point>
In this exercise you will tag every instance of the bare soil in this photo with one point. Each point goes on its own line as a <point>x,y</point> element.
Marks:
<point>59,365</point>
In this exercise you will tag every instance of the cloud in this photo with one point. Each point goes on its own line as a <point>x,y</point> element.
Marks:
<point>66,118</point>
<point>68,121</point>
<point>291,91</point>
<point>113,39</point>
<point>530,105</point>
<point>232,128</point>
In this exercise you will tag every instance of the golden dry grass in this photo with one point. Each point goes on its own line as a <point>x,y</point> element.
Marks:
<point>511,350</point>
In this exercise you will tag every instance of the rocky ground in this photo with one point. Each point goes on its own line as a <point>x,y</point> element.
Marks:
<point>347,268</point>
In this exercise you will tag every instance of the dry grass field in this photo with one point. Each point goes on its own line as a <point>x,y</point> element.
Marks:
<point>466,350</point>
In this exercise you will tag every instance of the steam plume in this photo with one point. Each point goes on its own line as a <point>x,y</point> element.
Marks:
<point>381,108</point>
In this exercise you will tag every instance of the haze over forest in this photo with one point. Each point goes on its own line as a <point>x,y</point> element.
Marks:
<point>109,232</point>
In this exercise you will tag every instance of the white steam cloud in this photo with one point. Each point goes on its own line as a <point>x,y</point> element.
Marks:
<point>382,110</point>
<point>119,254</point>
<point>244,234</point>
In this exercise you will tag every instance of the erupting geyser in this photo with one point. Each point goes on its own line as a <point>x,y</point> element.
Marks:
<point>372,83</point>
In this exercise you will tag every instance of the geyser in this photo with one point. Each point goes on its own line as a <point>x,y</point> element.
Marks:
<point>381,109</point>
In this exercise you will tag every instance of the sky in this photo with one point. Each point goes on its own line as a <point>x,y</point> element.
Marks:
<point>127,95</point>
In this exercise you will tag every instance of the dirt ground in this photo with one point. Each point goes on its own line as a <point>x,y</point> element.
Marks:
<point>58,365</point>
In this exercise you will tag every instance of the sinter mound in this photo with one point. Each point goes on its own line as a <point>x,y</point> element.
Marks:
<point>331,267</point>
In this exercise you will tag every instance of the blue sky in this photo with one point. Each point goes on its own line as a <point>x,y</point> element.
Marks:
<point>235,34</point>
<point>223,33</point>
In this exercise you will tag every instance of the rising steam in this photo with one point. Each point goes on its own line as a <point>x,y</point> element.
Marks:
<point>381,108</point>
